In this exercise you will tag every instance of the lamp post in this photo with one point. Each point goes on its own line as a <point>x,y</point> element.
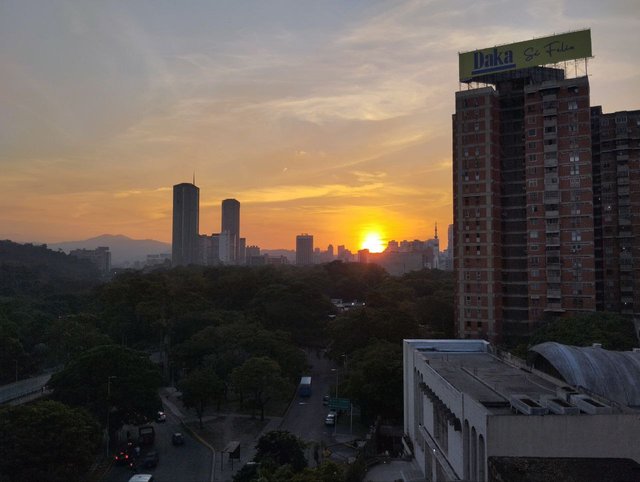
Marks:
<point>109,412</point>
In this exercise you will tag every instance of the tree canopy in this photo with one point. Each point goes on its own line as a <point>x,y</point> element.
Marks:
<point>614,331</point>
<point>46,441</point>
<point>110,378</point>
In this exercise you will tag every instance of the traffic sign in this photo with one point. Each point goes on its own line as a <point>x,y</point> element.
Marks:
<point>339,403</point>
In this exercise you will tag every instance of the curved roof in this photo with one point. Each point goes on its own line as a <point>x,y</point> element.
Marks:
<point>612,374</point>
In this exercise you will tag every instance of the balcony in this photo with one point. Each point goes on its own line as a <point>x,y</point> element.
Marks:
<point>551,162</point>
<point>553,240</point>
<point>551,214</point>
<point>555,294</point>
<point>554,306</point>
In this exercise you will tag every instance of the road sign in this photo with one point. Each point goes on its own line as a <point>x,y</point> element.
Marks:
<point>340,403</point>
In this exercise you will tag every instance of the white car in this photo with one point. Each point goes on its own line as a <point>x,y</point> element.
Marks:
<point>161,417</point>
<point>330,419</point>
<point>141,478</point>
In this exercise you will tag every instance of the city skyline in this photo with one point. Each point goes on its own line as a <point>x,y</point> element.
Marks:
<point>332,119</point>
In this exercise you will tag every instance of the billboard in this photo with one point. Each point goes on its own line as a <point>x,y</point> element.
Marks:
<point>520,55</point>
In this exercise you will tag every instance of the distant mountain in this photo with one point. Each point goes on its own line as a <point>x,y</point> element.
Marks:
<point>124,250</point>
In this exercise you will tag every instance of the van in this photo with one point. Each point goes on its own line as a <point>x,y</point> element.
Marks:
<point>142,478</point>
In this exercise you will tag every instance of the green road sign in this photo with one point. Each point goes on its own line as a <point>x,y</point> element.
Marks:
<point>340,403</point>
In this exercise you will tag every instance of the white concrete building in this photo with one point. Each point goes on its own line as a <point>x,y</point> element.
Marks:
<point>469,413</point>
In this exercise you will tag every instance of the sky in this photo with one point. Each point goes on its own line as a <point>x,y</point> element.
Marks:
<point>331,118</point>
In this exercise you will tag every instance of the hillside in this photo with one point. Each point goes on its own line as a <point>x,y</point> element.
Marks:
<point>36,270</point>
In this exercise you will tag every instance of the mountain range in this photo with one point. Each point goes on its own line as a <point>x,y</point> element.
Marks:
<point>124,250</point>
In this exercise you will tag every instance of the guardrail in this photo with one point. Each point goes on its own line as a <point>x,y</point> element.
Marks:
<point>24,390</point>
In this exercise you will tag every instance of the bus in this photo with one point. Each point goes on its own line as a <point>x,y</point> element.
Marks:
<point>305,387</point>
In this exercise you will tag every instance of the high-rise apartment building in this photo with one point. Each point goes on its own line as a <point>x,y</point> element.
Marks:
<point>231,225</point>
<point>185,240</point>
<point>304,249</point>
<point>616,182</point>
<point>544,189</point>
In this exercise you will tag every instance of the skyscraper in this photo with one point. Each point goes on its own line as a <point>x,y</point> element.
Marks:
<point>231,225</point>
<point>523,196</point>
<point>185,240</point>
<point>304,249</point>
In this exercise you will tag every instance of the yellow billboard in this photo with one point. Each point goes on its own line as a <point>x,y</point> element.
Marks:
<point>520,55</point>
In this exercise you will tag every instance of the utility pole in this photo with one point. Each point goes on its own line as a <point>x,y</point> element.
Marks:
<point>109,412</point>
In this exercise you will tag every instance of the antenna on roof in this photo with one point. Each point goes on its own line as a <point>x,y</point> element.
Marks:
<point>194,178</point>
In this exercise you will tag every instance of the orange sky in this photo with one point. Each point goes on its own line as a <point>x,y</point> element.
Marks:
<point>330,118</point>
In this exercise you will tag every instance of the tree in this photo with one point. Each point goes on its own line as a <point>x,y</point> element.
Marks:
<point>113,379</point>
<point>200,388</point>
<point>280,447</point>
<point>46,441</point>
<point>260,378</point>
<point>374,380</point>
<point>614,331</point>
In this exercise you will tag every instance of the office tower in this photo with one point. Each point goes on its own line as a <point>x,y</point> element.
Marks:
<point>185,241</point>
<point>523,195</point>
<point>231,225</point>
<point>304,249</point>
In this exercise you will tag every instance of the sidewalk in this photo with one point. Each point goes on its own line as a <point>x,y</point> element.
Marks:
<point>220,429</point>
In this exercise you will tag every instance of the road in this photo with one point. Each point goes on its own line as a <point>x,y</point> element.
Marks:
<point>306,416</point>
<point>190,462</point>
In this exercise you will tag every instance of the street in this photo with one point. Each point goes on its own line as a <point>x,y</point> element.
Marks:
<point>190,462</point>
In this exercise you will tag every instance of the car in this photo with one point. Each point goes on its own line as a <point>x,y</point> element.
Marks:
<point>177,439</point>
<point>325,400</point>
<point>330,419</point>
<point>142,478</point>
<point>161,417</point>
<point>123,455</point>
<point>150,459</point>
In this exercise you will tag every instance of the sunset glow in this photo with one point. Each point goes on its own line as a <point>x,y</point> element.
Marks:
<point>331,118</point>
<point>373,243</point>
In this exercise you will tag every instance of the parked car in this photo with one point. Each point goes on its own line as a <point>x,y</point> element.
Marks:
<point>161,417</point>
<point>150,459</point>
<point>177,439</point>
<point>330,419</point>
<point>325,400</point>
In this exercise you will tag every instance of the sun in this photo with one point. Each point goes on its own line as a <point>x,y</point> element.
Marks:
<point>373,242</point>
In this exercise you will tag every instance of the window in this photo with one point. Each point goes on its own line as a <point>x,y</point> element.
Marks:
<point>533,234</point>
<point>532,145</point>
<point>574,157</point>
<point>576,236</point>
<point>575,169</point>
<point>573,127</point>
<point>531,133</point>
<point>572,105</point>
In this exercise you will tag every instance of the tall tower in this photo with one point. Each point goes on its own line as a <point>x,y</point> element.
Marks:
<point>185,240</point>
<point>304,249</point>
<point>231,225</point>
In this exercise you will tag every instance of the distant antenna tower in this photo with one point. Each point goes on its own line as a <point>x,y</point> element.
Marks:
<point>194,178</point>
<point>436,231</point>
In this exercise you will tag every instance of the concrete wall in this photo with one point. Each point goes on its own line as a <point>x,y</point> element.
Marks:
<point>597,436</point>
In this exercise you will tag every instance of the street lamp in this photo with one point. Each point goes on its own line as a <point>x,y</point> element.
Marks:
<point>112,377</point>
